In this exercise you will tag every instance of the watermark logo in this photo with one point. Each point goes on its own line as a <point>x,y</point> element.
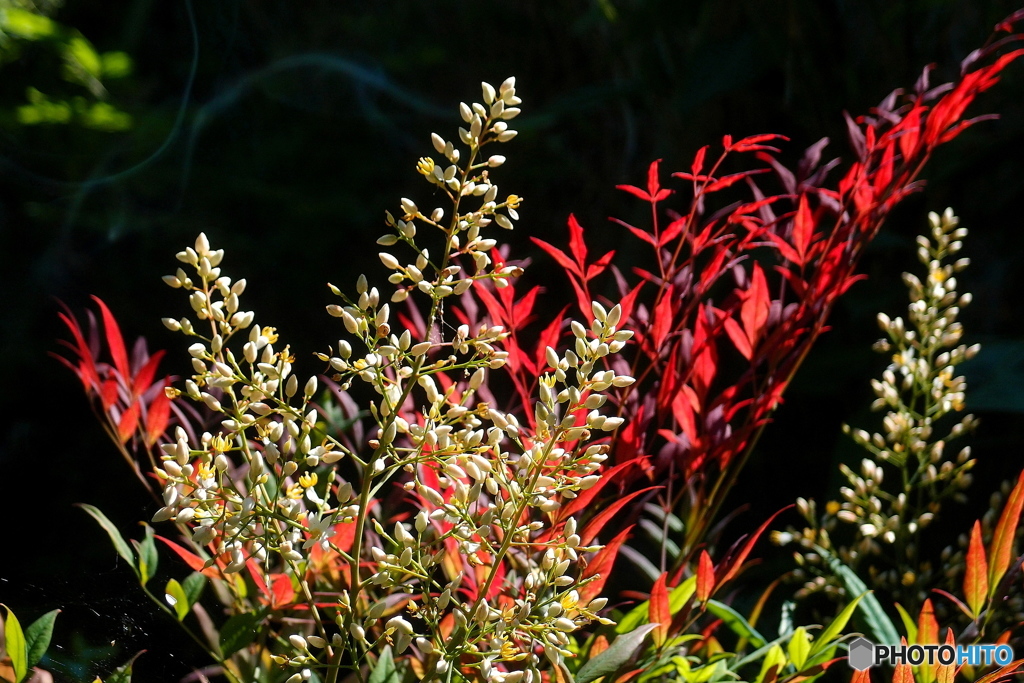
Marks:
<point>864,654</point>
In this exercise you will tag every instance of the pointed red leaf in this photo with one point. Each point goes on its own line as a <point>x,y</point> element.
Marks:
<point>659,611</point>
<point>194,562</point>
<point>128,422</point>
<point>144,378</point>
<point>576,244</point>
<point>1006,530</point>
<point>698,160</point>
<point>738,338</point>
<point>635,191</point>
<point>559,256</point>
<point>114,339</point>
<point>756,306</point>
<point>653,185</point>
<point>595,525</point>
<point>734,564</point>
<point>609,476</point>
<point>705,577</point>
<point>601,567</point>
<point>976,573</point>
<point>158,415</point>
<point>803,229</point>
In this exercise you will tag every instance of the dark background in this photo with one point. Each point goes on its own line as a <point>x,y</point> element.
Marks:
<point>284,130</point>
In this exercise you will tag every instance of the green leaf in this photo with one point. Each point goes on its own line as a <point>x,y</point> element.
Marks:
<point>17,648</point>
<point>776,659</point>
<point>799,648</point>
<point>123,673</point>
<point>116,64</point>
<point>877,620</point>
<point>176,598</point>
<point>835,629</point>
<point>148,557</point>
<point>237,632</point>
<point>120,546</point>
<point>37,637</point>
<point>25,24</point>
<point>677,598</point>
<point>736,623</point>
<point>620,651</point>
<point>193,586</point>
<point>908,623</point>
<point>80,51</point>
<point>385,671</point>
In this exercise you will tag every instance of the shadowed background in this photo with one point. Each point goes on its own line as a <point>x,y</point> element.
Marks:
<point>284,130</point>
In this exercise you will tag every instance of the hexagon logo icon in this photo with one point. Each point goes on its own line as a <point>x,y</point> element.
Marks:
<point>862,654</point>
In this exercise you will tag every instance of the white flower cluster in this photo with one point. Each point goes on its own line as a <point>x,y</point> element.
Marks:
<point>920,388</point>
<point>266,486</point>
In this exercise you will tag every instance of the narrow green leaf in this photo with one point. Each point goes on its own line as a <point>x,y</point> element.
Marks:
<point>620,651</point>
<point>120,546</point>
<point>148,556</point>
<point>176,598</point>
<point>17,648</point>
<point>37,637</point>
<point>736,623</point>
<point>193,586</point>
<point>640,614</point>
<point>835,629</point>
<point>237,632</point>
<point>799,648</point>
<point>877,620</point>
<point>385,671</point>
<point>908,623</point>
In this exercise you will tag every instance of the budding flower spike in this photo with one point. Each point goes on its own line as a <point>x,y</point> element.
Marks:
<point>270,493</point>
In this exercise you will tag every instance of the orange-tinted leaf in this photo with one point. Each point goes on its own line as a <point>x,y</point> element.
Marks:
<point>194,562</point>
<point>128,422</point>
<point>705,577</point>
<point>927,625</point>
<point>1002,539</point>
<point>114,340</point>
<point>600,645</point>
<point>904,673</point>
<point>945,673</point>
<point>601,566</point>
<point>659,612</point>
<point>282,591</point>
<point>976,574</point>
<point>861,676</point>
<point>157,416</point>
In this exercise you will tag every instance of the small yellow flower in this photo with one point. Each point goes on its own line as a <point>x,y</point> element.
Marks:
<point>270,333</point>
<point>425,166</point>
<point>308,480</point>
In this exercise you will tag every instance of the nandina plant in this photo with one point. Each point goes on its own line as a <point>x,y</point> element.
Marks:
<point>470,574</point>
<point>741,280</point>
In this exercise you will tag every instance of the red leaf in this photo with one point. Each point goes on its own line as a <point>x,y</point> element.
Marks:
<point>594,526</point>
<point>803,229</point>
<point>730,569</point>
<point>629,301</point>
<point>732,179</point>
<point>559,256</point>
<point>705,577</point>
<point>976,574</point>
<point>1006,529</point>
<point>282,591</point>
<point>157,416</point>
<point>662,323</point>
<point>635,191</point>
<point>601,567</point>
<point>883,176</point>
<point>86,369</point>
<point>653,186</point>
<point>672,230</point>
<point>194,562</point>
<point>755,308</point>
<point>738,338</point>
<point>128,422</point>
<point>108,393</point>
<point>576,244</point>
<point>788,252</point>
<point>698,161</point>
<point>609,476</point>
<point>659,611</point>
<point>145,376</point>
<point>645,236</point>
<point>598,266</point>
<point>549,337</point>
<point>752,143</point>
<point>910,132</point>
<point>114,340</point>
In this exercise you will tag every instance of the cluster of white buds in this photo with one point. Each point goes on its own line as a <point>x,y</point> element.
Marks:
<point>919,388</point>
<point>266,487</point>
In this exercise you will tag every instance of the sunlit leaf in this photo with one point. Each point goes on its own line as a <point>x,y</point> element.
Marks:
<point>17,648</point>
